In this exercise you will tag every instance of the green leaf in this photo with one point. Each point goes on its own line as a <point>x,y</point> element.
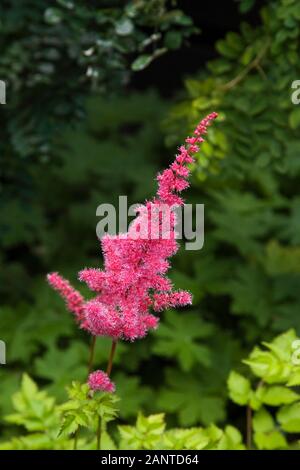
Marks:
<point>141,62</point>
<point>182,396</point>
<point>294,378</point>
<point>263,421</point>
<point>105,406</point>
<point>246,5</point>
<point>28,387</point>
<point>282,345</point>
<point>239,388</point>
<point>107,442</point>
<point>231,439</point>
<point>177,338</point>
<point>173,39</point>
<point>190,439</point>
<point>226,49</point>
<point>69,426</point>
<point>294,118</point>
<point>124,27</point>
<point>63,366</point>
<point>138,396</point>
<point>289,418</point>
<point>278,395</point>
<point>53,16</point>
<point>145,434</point>
<point>270,441</point>
<point>248,55</point>
<point>265,365</point>
<point>281,260</point>
<point>35,410</point>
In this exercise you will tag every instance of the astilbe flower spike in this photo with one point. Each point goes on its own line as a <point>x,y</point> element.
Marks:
<point>133,283</point>
<point>99,380</point>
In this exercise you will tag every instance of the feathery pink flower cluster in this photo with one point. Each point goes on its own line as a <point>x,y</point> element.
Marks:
<point>74,300</point>
<point>133,282</point>
<point>99,380</point>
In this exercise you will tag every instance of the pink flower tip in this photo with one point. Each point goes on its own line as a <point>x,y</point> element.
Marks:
<point>99,380</point>
<point>53,278</point>
<point>72,297</point>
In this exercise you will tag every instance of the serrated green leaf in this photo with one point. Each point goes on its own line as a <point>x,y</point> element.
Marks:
<point>277,395</point>
<point>239,388</point>
<point>270,441</point>
<point>289,417</point>
<point>263,421</point>
<point>145,434</point>
<point>177,338</point>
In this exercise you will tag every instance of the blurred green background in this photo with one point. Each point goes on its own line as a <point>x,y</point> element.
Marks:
<point>99,94</point>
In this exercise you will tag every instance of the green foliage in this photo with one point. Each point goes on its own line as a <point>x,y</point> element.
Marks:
<point>149,433</point>
<point>177,337</point>
<point>85,164</point>
<point>38,414</point>
<point>247,174</point>
<point>211,438</point>
<point>51,426</point>
<point>268,394</point>
<point>245,281</point>
<point>83,410</point>
<point>246,5</point>
<point>146,434</point>
<point>239,388</point>
<point>138,396</point>
<point>192,400</point>
<point>276,370</point>
<point>93,44</point>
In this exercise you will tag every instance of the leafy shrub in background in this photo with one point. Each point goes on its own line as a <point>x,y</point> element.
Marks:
<point>273,401</point>
<point>274,398</point>
<point>67,191</point>
<point>53,55</point>
<point>248,176</point>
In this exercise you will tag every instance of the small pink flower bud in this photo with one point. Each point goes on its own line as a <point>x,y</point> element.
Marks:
<point>99,380</point>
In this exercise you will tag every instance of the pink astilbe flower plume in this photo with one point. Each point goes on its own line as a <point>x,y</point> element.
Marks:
<point>72,297</point>
<point>133,283</point>
<point>99,380</point>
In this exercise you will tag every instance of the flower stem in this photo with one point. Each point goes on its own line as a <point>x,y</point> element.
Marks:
<point>99,434</point>
<point>249,428</point>
<point>108,371</point>
<point>111,357</point>
<point>254,64</point>
<point>92,353</point>
<point>90,365</point>
<point>75,439</point>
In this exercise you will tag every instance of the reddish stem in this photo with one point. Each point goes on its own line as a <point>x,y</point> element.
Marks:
<point>108,371</point>
<point>92,353</point>
<point>111,357</point>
